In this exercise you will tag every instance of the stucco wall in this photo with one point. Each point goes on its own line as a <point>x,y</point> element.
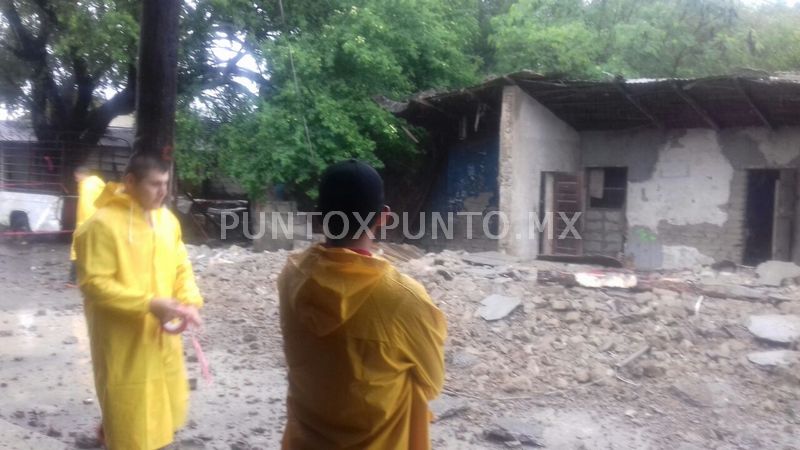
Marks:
<point>687,189</point>
<point>532,141</point>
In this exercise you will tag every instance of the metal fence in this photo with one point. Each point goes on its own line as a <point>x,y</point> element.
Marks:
<point>36,180</point>
<point>46,167</point>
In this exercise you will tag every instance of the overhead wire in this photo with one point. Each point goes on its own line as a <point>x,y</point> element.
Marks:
<point>294,78</point>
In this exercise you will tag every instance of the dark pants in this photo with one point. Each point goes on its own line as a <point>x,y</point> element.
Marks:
<point>73,273</point>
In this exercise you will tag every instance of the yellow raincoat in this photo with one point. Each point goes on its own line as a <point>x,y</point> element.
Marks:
<point>364,348</point>
<point>89,189</point>
<point>139,371</point>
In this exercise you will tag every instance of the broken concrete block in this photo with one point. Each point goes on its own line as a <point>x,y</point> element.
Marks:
<point>772,273</point>
<point>606,279</point>
<point>508,430</point>
<point>781,329</point>
<point>560,305</point>
<point>496,307</point>
<point>774,358</point>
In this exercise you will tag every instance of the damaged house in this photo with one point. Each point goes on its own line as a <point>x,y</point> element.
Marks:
<point>665,173</point>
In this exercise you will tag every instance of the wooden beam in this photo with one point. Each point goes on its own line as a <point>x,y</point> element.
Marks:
<point>477,99</point>
<point>699,110</point>
<point>427,104</point>
<point>752,104</point>
<point>638,105</point>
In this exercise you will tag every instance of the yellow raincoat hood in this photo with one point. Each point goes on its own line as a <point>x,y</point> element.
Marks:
<point>88,190</point>
<point>364,350</point>
<point>331,285</point>
<point>113,192</point>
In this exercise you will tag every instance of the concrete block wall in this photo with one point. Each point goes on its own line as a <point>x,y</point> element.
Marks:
<point>687,189</point>
<point>603,232</point>
<point>532,141</point>
<point>720,242</point>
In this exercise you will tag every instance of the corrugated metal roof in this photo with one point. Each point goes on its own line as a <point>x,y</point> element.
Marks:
<point>15,131</point>
<point>20,131</point>
<point>714,102</point>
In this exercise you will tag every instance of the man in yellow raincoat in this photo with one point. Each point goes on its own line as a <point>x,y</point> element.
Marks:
<point>89,188</point>
<point>363,342</point>
<point>135,276</point>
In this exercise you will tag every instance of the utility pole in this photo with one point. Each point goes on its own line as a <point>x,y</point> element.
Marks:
<point>157,77</point>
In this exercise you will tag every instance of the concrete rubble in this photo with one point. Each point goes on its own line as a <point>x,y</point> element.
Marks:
<point>555,332</point>
<point>495,307</point>
<point>775,273</point>
<point>780,329</point>
<point>773,358</point>
<point>670,362</point>
<point>514,433</point>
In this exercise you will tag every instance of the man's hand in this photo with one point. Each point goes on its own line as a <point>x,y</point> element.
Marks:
<point>166,309</point>
<point>191,315</point>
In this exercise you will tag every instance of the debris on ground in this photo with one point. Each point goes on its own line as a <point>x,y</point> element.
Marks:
<point>775,273</point>
<point>774,358</point>
<point>672,361</point>
<point>447,406</point>
<point>776,328</point>
<point>514,433</point>
<point>656,342</point>
<point>495,307</point>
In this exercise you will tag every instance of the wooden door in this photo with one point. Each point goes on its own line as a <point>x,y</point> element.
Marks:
<point>783,224</point>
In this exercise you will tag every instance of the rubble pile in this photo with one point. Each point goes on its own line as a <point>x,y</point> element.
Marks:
<point>669,350</point>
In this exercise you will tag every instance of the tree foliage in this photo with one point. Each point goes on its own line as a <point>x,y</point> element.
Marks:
<point>324,70</point>
<point>645,38</point>
<point>271,95</point>
<point>58,54</point>
<point>71,65</point>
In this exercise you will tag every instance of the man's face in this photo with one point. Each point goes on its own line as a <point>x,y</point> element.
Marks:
<point>150,191</point>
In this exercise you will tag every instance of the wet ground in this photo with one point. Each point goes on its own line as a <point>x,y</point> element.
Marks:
<point>48,394</point>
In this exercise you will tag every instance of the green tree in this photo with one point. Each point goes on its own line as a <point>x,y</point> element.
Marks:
<point>547,36</point>
<point>59,54</point>
<point>675,39</point>
<point>645,38</point>
<point>325,68</point>
<point>772,37</point>
<point>71,65</point>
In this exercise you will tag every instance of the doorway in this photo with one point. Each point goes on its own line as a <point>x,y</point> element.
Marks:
<point>760,215</point>
<point>562,199</point>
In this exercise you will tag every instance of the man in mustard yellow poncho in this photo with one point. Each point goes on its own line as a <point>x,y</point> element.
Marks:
<point>135,275</point>
<point>89,188</point>
<point>363,342</point>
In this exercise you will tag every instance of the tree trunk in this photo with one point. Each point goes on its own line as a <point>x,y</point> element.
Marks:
<point>157,77</point>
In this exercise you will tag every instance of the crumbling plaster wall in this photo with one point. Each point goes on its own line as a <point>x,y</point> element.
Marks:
<point>468,183</point>
<point>687,188</point>
<point>532,141</point>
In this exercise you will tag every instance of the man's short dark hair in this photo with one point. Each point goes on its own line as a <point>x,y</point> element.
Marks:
<point>141,164</point>
<point>347,188</point>
<point>82,170</point>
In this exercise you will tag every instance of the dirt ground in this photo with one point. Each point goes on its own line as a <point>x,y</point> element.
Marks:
<point>549,373</point>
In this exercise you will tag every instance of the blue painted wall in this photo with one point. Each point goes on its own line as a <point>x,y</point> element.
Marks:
<point>471,169</point>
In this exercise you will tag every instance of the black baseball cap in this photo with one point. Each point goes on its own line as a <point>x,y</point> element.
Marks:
<point>351,186</point>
